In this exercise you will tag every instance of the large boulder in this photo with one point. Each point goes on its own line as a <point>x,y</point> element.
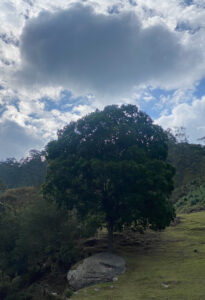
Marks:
<point>100,267</point>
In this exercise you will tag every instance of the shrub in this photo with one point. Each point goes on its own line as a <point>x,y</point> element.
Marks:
<point>67,293</point>
<point>39,238</point>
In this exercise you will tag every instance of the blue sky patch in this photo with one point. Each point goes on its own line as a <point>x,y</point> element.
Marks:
<point>66,103</point>
<point>200,89</point>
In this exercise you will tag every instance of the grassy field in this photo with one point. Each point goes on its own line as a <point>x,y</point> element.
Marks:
<point>163,266</point>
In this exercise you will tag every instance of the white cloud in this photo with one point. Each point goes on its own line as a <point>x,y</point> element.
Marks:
<point>17,140</point>
<point>190,116</point>
<point>31,118</point>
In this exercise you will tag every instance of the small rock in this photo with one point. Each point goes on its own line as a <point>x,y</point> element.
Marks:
<point>112,286</point>
<point>165,285</point>
<point>96,289</point>
<point>115,279</point>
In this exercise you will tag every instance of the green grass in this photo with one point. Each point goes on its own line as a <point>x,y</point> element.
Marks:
<point>166,265</point>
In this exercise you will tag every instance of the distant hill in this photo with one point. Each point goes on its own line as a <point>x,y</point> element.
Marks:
<point>189,161</point>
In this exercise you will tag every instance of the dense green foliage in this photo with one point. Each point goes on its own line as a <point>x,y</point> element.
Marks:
<point>26,172</point>
<point>36,238</point>
<point>3,187</point>
<point>189,161</point>
<point>112,165</point>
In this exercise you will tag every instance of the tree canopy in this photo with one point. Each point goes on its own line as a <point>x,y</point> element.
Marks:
<point>111,166</point>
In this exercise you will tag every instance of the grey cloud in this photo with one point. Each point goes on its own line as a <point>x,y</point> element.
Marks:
<point>29,2</point>
<point>114,9</point>
<point>105,54</point>
<point>9,39</point>
<point>185,26</point>
<point>188,2</point>
<point>16,140</point>
<point>133,3</point>
<point>7,62</point>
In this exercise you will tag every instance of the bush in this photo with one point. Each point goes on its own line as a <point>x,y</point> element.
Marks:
<point>39,238</point>
<point>4,289</point>
<point>67,293</point>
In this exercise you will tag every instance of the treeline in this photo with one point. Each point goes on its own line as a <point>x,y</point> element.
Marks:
<point>30,171</point>
<point>188,160</point>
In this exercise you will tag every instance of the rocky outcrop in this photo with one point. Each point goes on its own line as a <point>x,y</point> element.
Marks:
<point>98,268</point>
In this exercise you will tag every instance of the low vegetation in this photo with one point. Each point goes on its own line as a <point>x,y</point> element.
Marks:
<point>38,242</point>
<point>193,199</point>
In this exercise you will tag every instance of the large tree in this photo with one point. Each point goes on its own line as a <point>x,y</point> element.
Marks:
<point>112,165</point>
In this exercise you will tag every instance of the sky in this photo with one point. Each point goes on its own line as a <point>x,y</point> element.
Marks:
<point>62,59</point>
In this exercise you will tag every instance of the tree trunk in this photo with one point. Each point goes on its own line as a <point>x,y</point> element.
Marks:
<point>110,237</point>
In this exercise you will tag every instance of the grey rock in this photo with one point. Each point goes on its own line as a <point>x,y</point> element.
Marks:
<point>98,268</point>
<point>115,279</point>
<point>165,285</point>
<point>54,294</point>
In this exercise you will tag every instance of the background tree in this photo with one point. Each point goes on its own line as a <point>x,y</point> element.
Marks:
<point>26,172</point>
<point>189,161</point>
<point>3,187</point>
<point>112,165</point>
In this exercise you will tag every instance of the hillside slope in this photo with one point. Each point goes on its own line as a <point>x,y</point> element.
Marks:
<point>166,265</point>
<point>19,198</point>
<point>194,198</point>
<point>189,162</point>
